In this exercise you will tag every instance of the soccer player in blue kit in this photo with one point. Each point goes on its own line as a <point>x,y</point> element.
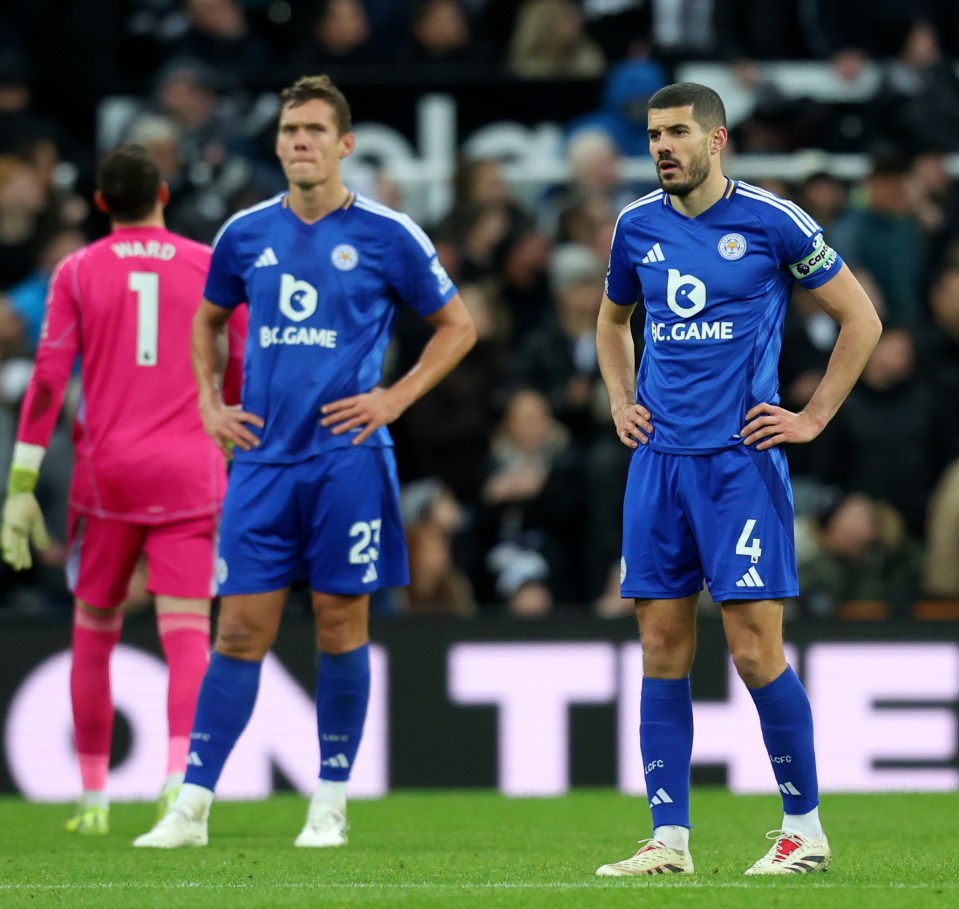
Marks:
<point>314,478</point>
<point>708,495</point>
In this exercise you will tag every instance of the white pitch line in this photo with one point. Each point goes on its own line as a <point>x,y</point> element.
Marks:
<point>479,885</point>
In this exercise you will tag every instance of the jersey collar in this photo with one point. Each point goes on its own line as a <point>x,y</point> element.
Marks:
<point>717,206</point>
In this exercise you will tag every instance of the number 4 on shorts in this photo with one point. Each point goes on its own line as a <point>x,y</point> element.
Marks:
<point>744,547</point>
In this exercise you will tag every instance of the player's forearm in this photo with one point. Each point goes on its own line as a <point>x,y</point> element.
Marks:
<point>42,403</point>
<point>444,350</point>
<point>52,369</point>
<point>855,344</point>
<point>205,355</point>
<point>617,362</point>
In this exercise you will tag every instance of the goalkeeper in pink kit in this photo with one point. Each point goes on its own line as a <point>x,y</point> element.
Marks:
<point>147,479</point>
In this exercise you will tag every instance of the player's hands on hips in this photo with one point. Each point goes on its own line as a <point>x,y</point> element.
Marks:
<point>228,427</point>
<point>366,413</point>
<point>768,425</point>
<point>22,524</point>
<point>633,426</point>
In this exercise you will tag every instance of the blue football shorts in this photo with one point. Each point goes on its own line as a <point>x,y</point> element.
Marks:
<point>333,519</point>
<point>726,518</point>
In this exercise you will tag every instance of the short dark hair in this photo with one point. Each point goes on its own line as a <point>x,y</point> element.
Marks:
<point>129,179</point>
<point>708,108</point>
<point>319,88</point>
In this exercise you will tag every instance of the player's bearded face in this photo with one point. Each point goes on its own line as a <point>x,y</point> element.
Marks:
<point>683,177</point>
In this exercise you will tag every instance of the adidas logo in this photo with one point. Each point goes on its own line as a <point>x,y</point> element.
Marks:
<point>788,789</point>
<point>370,575</point>
<point>267,257</point>
<point>655,254</point>
<point>338,760</point>
<point>661,798</point>
<point>750,579</point>
<point>193,760</point>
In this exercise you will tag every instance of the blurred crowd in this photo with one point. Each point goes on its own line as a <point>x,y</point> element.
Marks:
<point>513,479</point>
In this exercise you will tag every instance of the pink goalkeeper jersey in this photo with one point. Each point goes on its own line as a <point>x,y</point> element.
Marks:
<point>125,305</point>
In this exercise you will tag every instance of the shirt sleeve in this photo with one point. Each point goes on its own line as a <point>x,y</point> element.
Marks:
<point>56,353</point>
<point>622,283</point>
<point>225,285</point>
<point>804,250</point>
<point>417,274</point>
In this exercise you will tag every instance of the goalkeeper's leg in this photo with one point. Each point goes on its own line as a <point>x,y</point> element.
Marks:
<point>184,628</point>
<point>95,635</point>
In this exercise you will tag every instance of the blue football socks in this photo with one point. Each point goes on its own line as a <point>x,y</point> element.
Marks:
<point>786,721</point>
<point>223,709</point>
<point>342,694</point>
<point>666,740</point>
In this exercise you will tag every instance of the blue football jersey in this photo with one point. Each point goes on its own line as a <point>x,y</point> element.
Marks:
<point>322,299</point>
<point>715,288</point>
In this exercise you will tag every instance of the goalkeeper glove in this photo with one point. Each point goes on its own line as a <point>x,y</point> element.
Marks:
<point>22,519</point>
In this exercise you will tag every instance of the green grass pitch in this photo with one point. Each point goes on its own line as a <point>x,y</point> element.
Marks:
<point>480,849</point>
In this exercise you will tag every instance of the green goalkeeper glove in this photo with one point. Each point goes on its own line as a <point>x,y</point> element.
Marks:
<point>22,519</point>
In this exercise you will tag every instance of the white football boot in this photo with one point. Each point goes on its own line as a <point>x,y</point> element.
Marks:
<point>325,825</point>
<point>653,857</point>
<point>185,824</point>
<point>793,854</point>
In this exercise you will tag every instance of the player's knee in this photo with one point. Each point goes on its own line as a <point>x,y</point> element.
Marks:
<point>666,654</point>
<point>241,642</point>
<point>755,664</point>
<point>340,636</point>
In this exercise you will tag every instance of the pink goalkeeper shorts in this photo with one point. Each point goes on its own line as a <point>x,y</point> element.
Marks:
<point>102,555</point>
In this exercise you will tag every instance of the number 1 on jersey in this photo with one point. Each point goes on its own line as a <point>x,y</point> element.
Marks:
<point>146,285</point>
<point>744,547</point>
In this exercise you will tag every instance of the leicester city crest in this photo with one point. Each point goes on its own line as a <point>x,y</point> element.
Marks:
<point>732,246</point>
<point>345,257</point>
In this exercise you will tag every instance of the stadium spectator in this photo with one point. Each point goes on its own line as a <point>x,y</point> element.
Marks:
<point>186,92</point>
<point>919,93</point>
<point>532,501</point>
<point>29,297</point>
<point>864,554</point>
<point>891,400</point>
<point>23,227</point>
<point>606,464</point>
<point>558,358</point>
<point>305,491</point>
<point>520,258</point>
<point>935,202</point>
<point>218,34</point>
<point>522,582</point>
<point>622,28</point>
<point>446,434</point>
<point>338,36</point>
<point>146,479</point>
<point>594,193</point>
<point>627,87</point>
<point>824,196</point>
<point>197,141</point>
<point>885,238</point>
<point>441,36</point>
<point>725,514</point>
<point>22,128</point>
<point>432,517</point>
<point>550,42</point>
